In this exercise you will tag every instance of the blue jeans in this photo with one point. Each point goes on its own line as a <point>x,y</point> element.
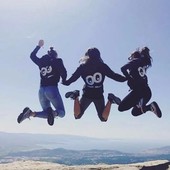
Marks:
<point>50,95</point>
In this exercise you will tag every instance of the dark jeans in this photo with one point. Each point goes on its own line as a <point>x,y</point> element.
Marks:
<point>133,99</point>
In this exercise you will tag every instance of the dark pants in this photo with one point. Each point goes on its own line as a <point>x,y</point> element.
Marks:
<point>99,105</point>
<point>133,99</point>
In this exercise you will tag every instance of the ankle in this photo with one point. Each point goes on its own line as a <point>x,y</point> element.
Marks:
<point>33,114</point>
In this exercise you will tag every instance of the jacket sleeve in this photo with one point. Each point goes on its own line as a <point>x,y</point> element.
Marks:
<point>115,76</point>
<point>33,55</point>
<point>62,70</point>
<point>74,76</point>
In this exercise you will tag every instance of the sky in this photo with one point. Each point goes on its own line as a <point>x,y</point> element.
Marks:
<point>116,28</point>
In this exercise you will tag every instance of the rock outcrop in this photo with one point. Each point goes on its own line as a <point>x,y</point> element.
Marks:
<point>36,165</point>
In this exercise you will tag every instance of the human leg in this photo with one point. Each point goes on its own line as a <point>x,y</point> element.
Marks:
<point>111,99</point>
<point>44,102</point>
<point>53,95</point>
<point>142,106</point>
<point>145,96</point>
<point>27,113</point>
<point>100,107</point>
<point>75,96</point>
<point>47,112</point>
<point>81,106</point>
<point>76,107</point>
<point>129,101</point>
<point>136,111</point>
<point>106,111</point>
<point>153,107</point>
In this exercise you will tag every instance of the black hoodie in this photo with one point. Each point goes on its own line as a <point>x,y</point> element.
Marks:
<point>93,73</point>
<point>51,68</point>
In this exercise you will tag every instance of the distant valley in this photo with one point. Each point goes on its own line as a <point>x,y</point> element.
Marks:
<point>73,150</point>
<point>85,157</point>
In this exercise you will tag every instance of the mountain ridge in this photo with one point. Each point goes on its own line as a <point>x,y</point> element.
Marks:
<point>51,141</point>
<point>74,150</point>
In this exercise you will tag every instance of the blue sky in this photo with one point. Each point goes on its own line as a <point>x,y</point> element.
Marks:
<point>116,28</point>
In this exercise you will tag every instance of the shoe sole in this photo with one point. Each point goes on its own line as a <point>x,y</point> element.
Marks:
<point>68,94</point>
<point>50,119</point>
<point>158,111</point>
<point>73,94</point>
<point>20,117</point>
<point>115,99</point>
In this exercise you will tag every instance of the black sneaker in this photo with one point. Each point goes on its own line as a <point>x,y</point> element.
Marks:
<point>113,99</point>
<point>72,94</point>
<point>155,109</point>
<point>24,115</point>
<point>50,117</point>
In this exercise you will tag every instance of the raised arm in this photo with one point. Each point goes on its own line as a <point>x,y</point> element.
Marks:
<point>33,55</point>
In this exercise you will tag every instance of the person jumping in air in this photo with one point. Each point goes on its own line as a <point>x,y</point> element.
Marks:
<point>93,71</point>
<point>140,92</point>
<point>51,69</point>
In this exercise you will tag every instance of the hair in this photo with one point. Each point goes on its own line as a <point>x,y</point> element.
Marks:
<point>136,54</point>
<point>94,55</point>
<point>52,52</point>
<point>145,53</point>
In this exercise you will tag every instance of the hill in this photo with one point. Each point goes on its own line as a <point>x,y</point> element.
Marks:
<point>27,141</point>
<point>74,150</point>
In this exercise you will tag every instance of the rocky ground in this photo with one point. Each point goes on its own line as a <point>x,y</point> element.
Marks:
<point>35,165</point>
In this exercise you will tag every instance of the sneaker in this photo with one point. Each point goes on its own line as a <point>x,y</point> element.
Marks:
<point>73,94</point>
<point>113,99</point>
<point>24,115</point>
<point>155,109</point>
<point>50,117</point>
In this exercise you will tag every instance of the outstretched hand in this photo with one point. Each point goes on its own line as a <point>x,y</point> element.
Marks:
<point>41,43</point>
